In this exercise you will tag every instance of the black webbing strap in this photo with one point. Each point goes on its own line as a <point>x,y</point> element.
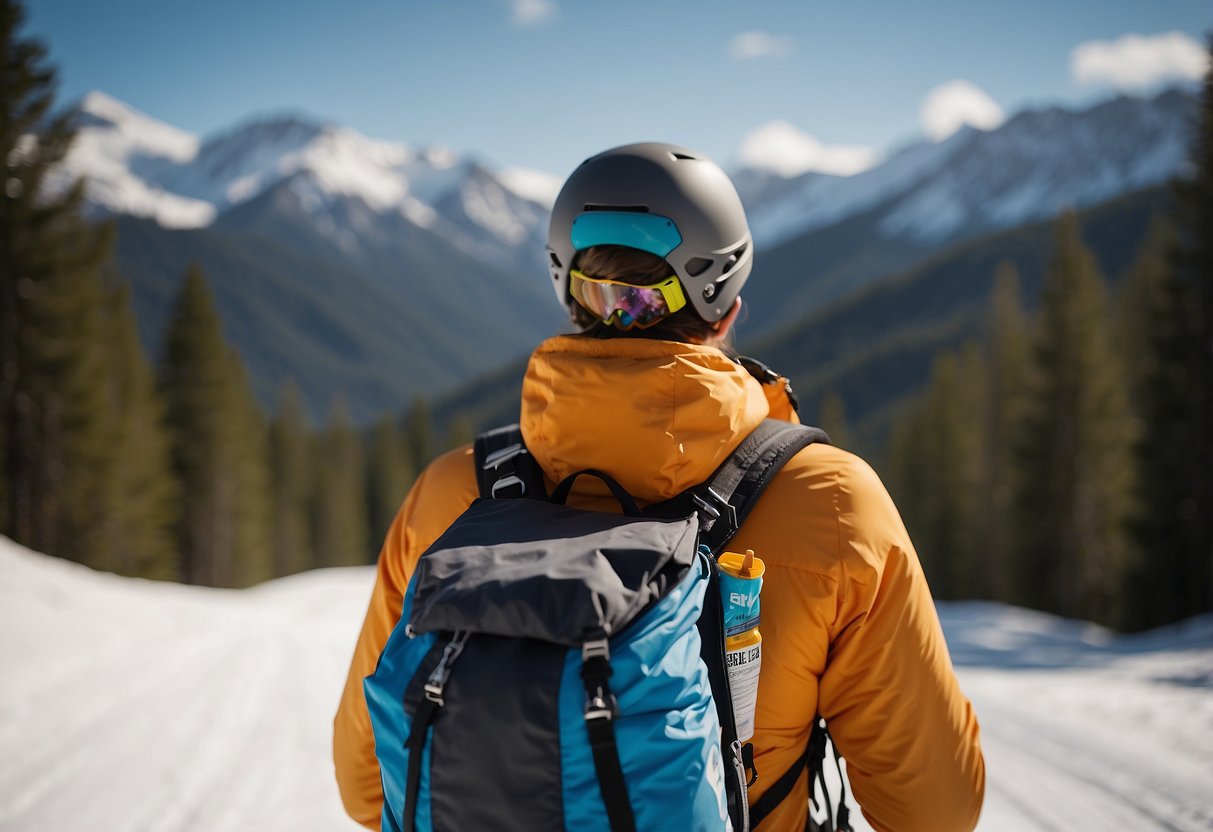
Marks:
<point>504,467</point>
<point>733,491</point>
<point>780,789</point>
<point>601,708</point>
<point>415,745</point>
<point>814,756</point>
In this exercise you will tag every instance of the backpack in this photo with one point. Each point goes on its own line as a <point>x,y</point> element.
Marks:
<point>560,668</point>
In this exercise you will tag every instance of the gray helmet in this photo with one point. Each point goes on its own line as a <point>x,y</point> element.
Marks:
<point>663,199</point>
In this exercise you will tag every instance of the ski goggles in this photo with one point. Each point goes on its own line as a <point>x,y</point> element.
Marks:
<point>625,305</point>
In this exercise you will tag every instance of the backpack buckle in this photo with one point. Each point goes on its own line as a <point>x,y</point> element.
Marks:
<point>711,511</point>
<point>436,682</point>
<point>494,460</point>
<point>596,649</point>
<point>508,482</point>
<point>598,708</point>
<point>600,703</point>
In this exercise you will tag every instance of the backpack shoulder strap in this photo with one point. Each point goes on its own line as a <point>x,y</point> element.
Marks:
<point>814,758</point>
<point>504,466</point>
<point>726,500</point>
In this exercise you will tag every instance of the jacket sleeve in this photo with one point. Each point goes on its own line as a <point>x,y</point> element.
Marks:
<point>353,743</point>
<point>889,692</point>
<point>440,494</point>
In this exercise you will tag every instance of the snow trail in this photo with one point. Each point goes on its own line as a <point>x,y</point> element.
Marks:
<point>131,705</point>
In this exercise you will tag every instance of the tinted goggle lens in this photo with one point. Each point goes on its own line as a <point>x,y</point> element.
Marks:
<point>625,305</point>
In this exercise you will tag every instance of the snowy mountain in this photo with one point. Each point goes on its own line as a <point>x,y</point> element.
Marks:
<point>132,705</point>
<point>339,261</point>
<point>1033,166</point>
<point>823,238</point>
<point>782,208</point>
<point>1037,164</point>
<point>136,165</point>
<point>280,206</point>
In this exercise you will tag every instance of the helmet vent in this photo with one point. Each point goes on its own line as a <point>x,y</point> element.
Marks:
<point>697,266</point>
<point>733,259</point>
<point>684,157</point>
<point>635,209</point>
<point>555,260</point>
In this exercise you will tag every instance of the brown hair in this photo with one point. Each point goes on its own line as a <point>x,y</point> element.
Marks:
<point>630,265</point>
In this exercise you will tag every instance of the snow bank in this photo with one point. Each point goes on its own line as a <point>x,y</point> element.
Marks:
<point>133,705</point>
<point>1086,730</point>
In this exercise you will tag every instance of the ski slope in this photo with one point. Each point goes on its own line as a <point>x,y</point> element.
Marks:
<point>128,705</point>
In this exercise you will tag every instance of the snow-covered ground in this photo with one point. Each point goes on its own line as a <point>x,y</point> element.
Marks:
<point>127,705</point>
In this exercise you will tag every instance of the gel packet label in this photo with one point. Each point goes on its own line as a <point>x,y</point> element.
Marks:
<point>741,603</point>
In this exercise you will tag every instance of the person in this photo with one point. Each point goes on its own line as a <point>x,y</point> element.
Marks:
<point>649,249</point>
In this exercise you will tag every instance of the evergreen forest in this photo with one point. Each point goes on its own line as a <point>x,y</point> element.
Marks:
<point>1063,461</point>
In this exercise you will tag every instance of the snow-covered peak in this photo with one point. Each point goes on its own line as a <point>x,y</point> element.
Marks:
<point>122,154</point>
<point>134,164</point>
<point>1036,164</point>
<point>236,166</point>
<point>136,130</point>
<point>439,157</point>
<point>1044,161</point>
<point>532,184</point>
<point>780,209</point>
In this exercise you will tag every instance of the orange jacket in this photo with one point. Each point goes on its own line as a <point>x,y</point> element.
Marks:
<point>849,629</point>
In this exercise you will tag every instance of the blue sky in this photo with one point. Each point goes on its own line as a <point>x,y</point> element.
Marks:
<point>544,83</point>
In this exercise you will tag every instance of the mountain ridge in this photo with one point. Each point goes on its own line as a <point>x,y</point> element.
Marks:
<point>451,242</point>
<point>136,165</point>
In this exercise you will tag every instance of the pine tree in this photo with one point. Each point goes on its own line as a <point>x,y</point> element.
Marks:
<point>907,478</point>
<point>1154,325</point>
<point>219,450</point>
<point>419,431</point>
<point>1139,304</point>
<point>1075,446</point>
<point>947,451</point>
<point>1174,391</point>
<point>340,507</point>
<point>390,472</point>
<point>134,535</point>
<point>253,553</point>
<point>194,383</point>
<point>1193,263</point>
<point>833,420</point>
<point>292,473</point>
<point>52,428</point>
<point>1006,366</point>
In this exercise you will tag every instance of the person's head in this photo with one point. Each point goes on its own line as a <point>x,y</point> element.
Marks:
<point>650,240</point>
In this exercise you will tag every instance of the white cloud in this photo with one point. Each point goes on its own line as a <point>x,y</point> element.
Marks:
<point>532,12</point>
<point>951,106</point>
<point>751,46</point>
<point>780,147</point>
<point>1134,62</point>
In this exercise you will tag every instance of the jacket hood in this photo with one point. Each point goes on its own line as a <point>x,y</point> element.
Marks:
<point>658,416</point>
